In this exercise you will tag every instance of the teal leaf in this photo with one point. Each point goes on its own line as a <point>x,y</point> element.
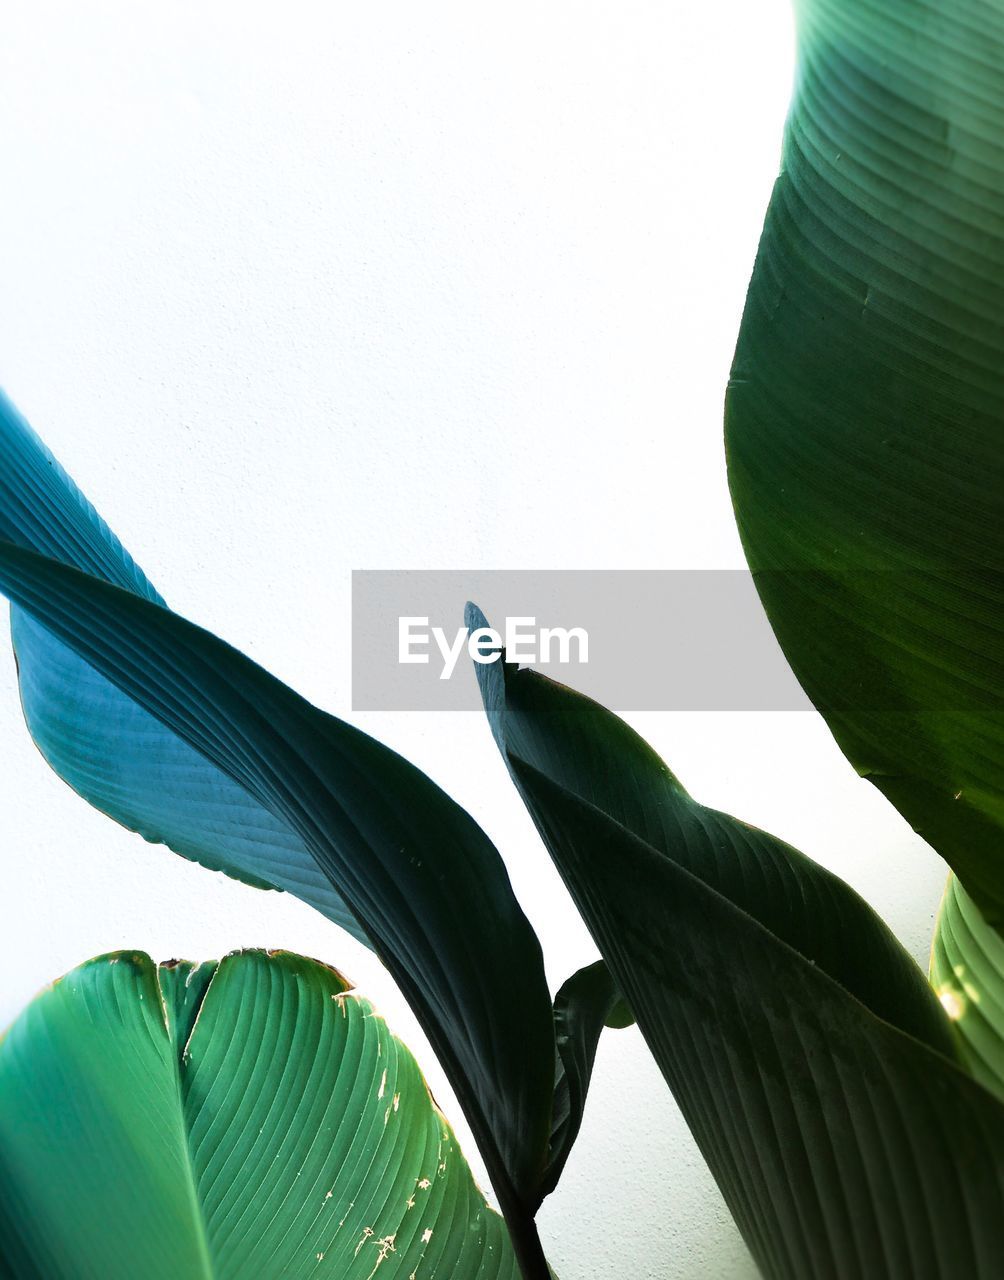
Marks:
<point>423,880</point>
<point>113,753</point>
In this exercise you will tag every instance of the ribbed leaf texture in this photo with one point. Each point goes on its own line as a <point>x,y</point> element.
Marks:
<point>814,1065</point>
<point>865,409</point>
<point>967,972</point>
<point>424,881</point>
<point>111,751</point>
<point>253,1117</point>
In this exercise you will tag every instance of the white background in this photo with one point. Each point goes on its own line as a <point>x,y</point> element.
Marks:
<point>292,290</point>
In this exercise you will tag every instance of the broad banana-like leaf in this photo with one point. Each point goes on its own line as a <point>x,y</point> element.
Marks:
<point>144,757</point>
<point>967,972</point>
<point>252,1117</point>
<point>111,751</point>
<point>423,880</point>
<point>865,411</point>
<point>811,1060</point>
<point>593,754</point>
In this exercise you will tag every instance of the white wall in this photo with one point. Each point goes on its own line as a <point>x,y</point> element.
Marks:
<point>297,289</point>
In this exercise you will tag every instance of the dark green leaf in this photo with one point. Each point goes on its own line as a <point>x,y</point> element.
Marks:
<point>810,1059</point>
<point>594,755</point>
<point>843,1147</point>
<point>584,1005</point>
<point>866,409</point>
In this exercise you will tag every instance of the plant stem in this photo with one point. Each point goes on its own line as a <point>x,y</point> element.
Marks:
<point>525,1240</point>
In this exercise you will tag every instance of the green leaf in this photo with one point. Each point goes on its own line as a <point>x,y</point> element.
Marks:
<point>423,880</point>
<point>967,972</point>
<point>111,751</point>
<point>807,1054</point>
<point>594,755</point>
<point>866,405</point>
<point>249,1118</point>
<point>586,1003</point>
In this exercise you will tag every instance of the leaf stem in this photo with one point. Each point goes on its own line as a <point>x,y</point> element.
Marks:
<point>525,1240</point>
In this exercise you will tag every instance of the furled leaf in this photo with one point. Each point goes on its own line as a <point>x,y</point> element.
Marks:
<point>584,1005</point>
<point>810,1059</point>
<point>111,751</point>
<point>247,1118</point>
<point>866,409</point>
<point>424,881</point>
<point>967,972</point>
